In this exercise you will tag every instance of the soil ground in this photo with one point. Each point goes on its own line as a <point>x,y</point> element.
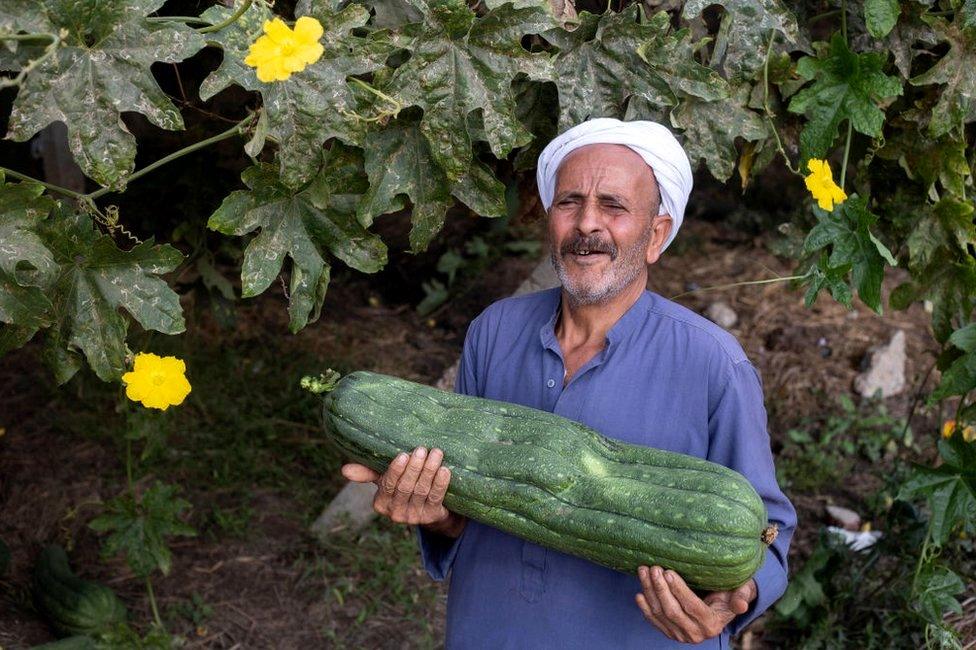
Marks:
<point>247,453</point>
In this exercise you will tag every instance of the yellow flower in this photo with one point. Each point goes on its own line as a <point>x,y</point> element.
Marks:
<point>821,184</point>
<point>281,50</point>
<point>157,382</point>
<point>949,428</point>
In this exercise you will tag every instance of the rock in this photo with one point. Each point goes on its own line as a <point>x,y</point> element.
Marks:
<point>847,519</point>
<point>885,369</point>
<point>351,508</point>
<point>722,315</point>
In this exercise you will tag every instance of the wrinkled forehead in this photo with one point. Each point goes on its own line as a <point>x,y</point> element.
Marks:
<point>610,165</point>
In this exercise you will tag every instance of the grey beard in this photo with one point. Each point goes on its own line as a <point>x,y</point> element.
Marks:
<point>623,270</point>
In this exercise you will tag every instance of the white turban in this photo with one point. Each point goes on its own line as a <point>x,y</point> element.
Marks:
<point>651,141</point>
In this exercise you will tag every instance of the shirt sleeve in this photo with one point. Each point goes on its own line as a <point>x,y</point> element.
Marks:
<point>738,439</point>
<point>438,551</point>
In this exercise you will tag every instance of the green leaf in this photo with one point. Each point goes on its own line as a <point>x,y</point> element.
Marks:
<point>312,105</point>
<point>460,64</point>
<point>449,263</point>
<point>24,307</point>
<point>909,32</point>
<point>235,41</point>
<point>23,255</point>
<point>94,280</point>
<point>949,489</point>
<point>880,16</point>
<point>846,86</point>
<point>302,225</point>
<point>833,279</point>
<point>26,265</point>
<point>965,338</point>
<point>710,129</point>
<point>937,588</point>
<point>399,161</point>
<point>612,58</point>
<point>748,32</point>
<point>957,70</point>
<point>846,230</point>
<point>969,14</point>
<point>101,70</point>
<point>927,160</point>
<point>958,379</point>
<point>139,529</point>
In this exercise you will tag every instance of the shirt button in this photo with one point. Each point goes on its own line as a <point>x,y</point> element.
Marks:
<point>551,383</point>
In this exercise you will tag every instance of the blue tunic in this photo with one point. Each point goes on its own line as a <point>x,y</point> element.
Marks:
<point>667,378</point>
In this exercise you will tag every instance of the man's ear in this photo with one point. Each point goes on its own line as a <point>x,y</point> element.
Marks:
<point>660,229</point>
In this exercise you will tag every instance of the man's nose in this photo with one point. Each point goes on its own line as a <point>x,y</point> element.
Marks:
<point>589,219</point>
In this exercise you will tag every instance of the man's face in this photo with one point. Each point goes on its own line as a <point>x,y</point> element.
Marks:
<point>603,223</point>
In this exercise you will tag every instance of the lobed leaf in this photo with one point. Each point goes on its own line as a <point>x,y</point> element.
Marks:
<point>94,280</point>
<point>612,58</point>
<point>957,70</point>
<point>748,31</point>
<point>101,69</point>
<point>301,225</point>
<point>846,86</point>
<point>461,64</point>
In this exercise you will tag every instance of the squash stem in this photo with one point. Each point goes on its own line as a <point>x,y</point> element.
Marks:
<point>769,534</point>
<point>324,383</point>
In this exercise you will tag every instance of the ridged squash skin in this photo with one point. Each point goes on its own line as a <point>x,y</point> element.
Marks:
<point>72,605</point>
<point>559,483</point>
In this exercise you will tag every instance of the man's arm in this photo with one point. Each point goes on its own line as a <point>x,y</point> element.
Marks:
<point>738,438</point>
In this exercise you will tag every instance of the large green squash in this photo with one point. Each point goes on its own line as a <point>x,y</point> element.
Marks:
<point>72,605</point>
<point>559,483</point>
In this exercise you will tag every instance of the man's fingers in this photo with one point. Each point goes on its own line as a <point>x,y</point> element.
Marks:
<point>359,473</point>
<point>408,480</point>
<point>739,604</point>
<point>388,483</point>
<point>671,607</point>
<point>425,482</point>
<point>694,606</point>
<point>439,486</point>
<point>654,612</point>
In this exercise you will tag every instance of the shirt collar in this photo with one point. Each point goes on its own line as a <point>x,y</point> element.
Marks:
<point>631,320</point>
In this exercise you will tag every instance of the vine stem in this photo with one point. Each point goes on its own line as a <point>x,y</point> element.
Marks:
<point>234,130</point>
<point>49,51</point>
<point>843,19</point>
<point>152,603</point>
<point>230,20</point>
<point>743,284</point>
<point>88,198</point>
<point>53,188</point>
<point>847,151</point>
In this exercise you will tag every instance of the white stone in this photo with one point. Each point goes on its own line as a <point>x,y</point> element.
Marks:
<point>848,519</point>
<point>722,315</point>
<point>885,369</point>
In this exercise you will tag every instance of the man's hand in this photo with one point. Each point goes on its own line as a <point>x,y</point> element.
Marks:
<point>412,490</point>
<point>676,610</point>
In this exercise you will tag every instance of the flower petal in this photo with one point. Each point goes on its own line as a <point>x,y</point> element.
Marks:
<point>308,29</point>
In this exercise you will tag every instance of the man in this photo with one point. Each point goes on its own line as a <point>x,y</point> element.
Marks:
<point>604,351</point>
